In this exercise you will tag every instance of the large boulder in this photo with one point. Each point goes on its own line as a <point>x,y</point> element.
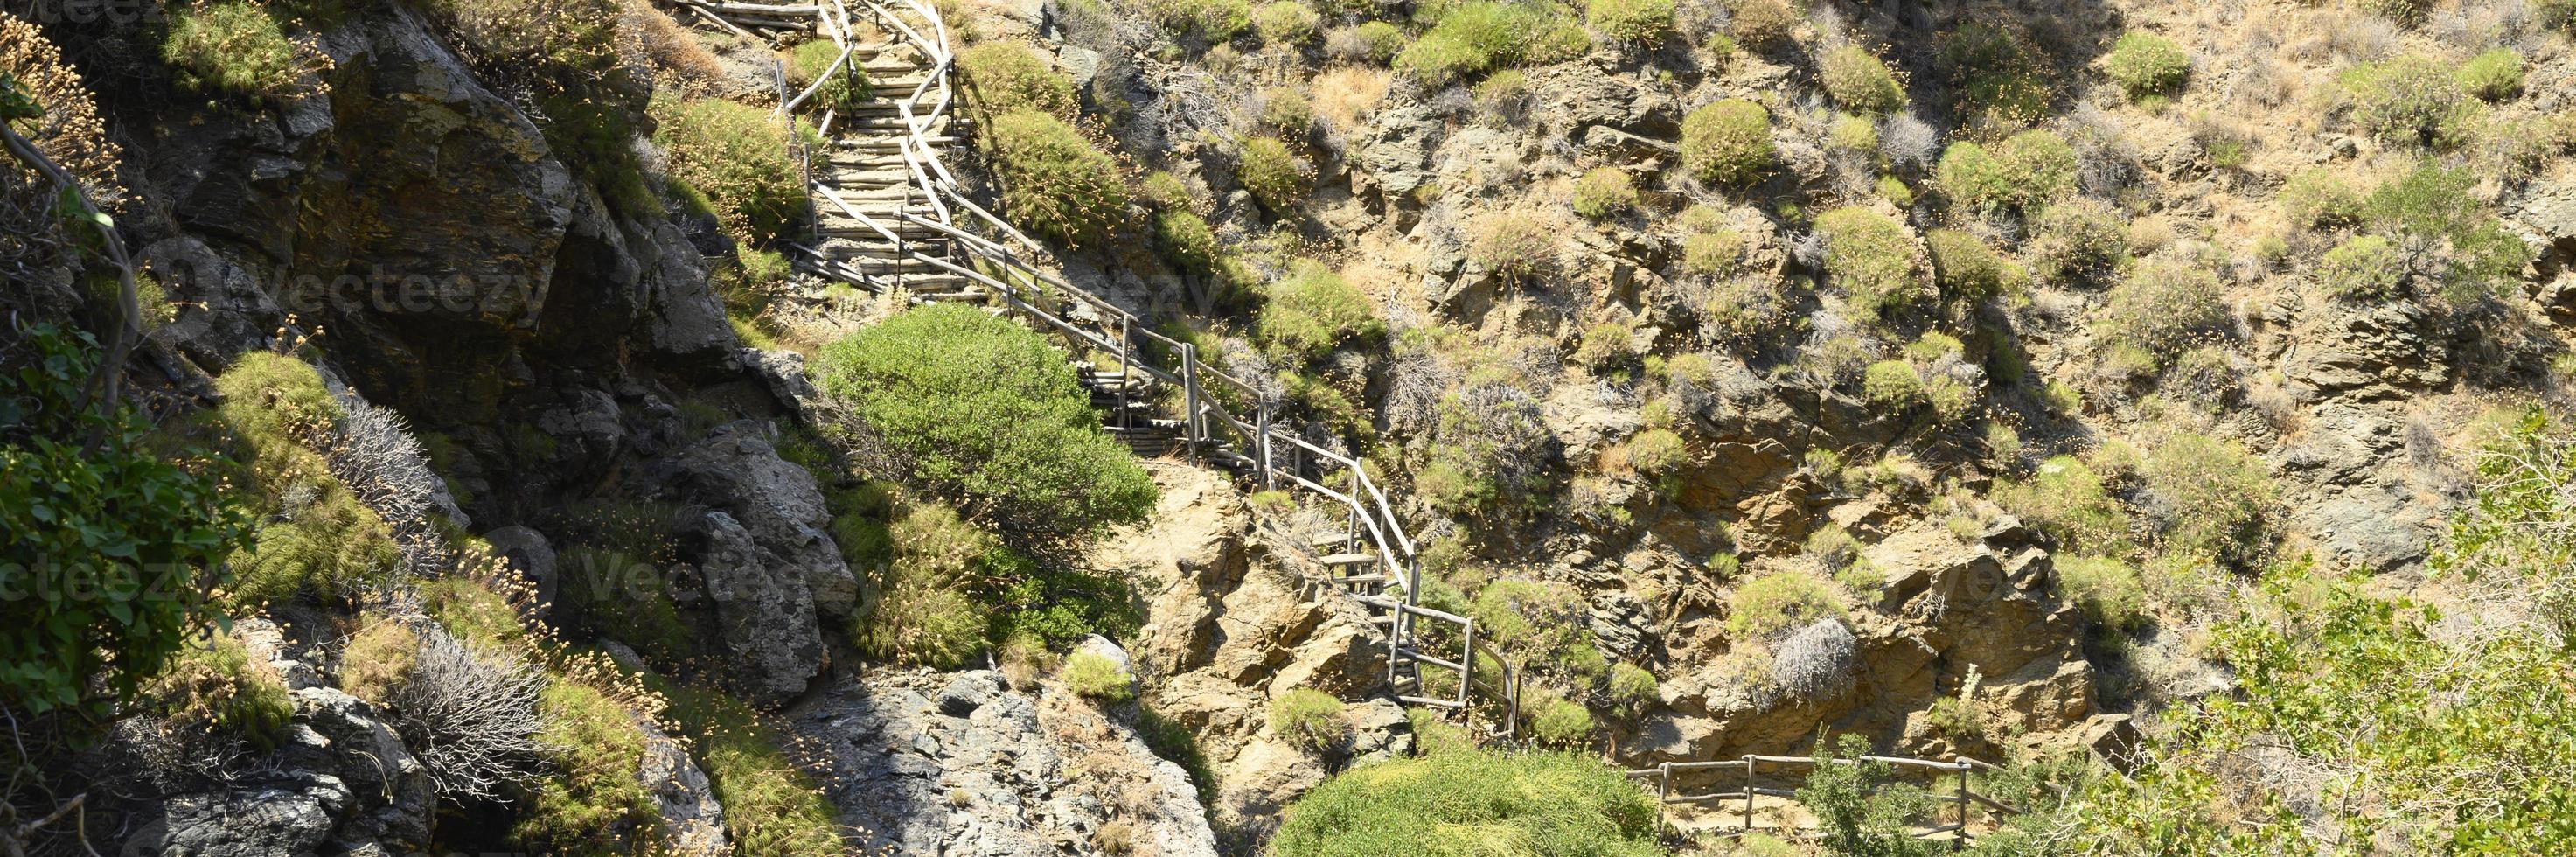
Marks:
<point>736,471</point>
<point>764,612</point>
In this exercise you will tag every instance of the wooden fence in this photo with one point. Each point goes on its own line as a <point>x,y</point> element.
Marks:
<point>1741,799</point>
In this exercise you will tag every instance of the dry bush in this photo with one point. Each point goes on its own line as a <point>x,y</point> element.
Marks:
<point>675,55</point>
<point>469,713</point>
<point>375,455</point>
<point>1347,96</point>
<point>1817,660</point>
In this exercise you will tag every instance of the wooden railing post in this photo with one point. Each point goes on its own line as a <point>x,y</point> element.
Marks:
<point>1663,798</point>
<point>1126,374</point>
<point>1261,448</point>
<point>1190,395</point>
<point>1959,841</point>
<point>1748,793</point>
<point>1466,666</point>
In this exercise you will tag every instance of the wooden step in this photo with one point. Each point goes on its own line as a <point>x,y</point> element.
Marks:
<point>1342,559</point>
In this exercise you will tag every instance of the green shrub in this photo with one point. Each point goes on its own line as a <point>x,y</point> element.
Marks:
<point>1893,385</point>
<point>849,84</point>
<point>2409,99</point>
<point>1873,259</point>
<point>2457,251</point>
<point>377,659</point>
<point>595,786</point>
<point>1187,242</point>
<point>1309,719</point>
<point>1763,25</point>
<point>1471,38</point>
<point>276,408</point>
<point>1094,675</point>
<point>2065,500</point>
<point>1286,22</point>
<point>1275,176</point>
<point>1287,109</point>
<point>1561,723</point>
<point>213,687</point>
<point>2106,590</point>
<point>2165,308</point>
<point>2317,197</point>
<point>771,806</point>
<point>2364,268</point>
<point>1379,41</point>
<point>2493,76</point>
<point>1639,22</point>
<point>1964,268</point>
<point>1055,181</point>
<point>1466,802</point>
<point>2025,171</point>
<point>735,154</point>
<point>1859,810</point>
<point>1604,192</point>
<point>2146,64</point>
<point>2077,239</point>
<point>1779,602</point>
<point>1605,346</point>
<point>1728,142</point>
<point>1657,451</point>
<point>1005,76</point>
<point>988,413</point>
<point>1633,687</point>
<point>118,540</point>
<point>1712,252</point>
<point>925,612</point>
<point>1998,79</point>
<point>2214,497</point>
<point>236,48</point>
<point>1856,80</point>
<point>1314,311</point>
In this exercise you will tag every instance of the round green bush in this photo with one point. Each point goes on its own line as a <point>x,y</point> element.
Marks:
<point>1711,253</point>
<point>1286,22</point>
<point>1313,311</point>
<point>1604,192</point>
<point>2077,239</point>
<point>1562,723</point>
<point>234,48</point>
<point>849,84</point>
<point>987,414</point>
<point>1637,22</point>
<point>2493,76</point>
<point>735,154</point>
<point>2164,308</point>
<point>1893,385</point>
<point>1287,109</point>
<point>1004,76</point>
<point>1309,719</point>
<point>1965,268</point>
<point>2317,197</point>
<point>1186,241</point>
<point>2024,171</point>
<point>1728,142</point>
<point>1055,180</point>
<point>2146,64</point>
<point>1272,174</point>
<point>1472,38</point>
<point>2106,590</point>
<point>1778,602</point>
<point>1379,41</point>
<point>1466,803</point>
<point>1856,80</point>
<point>1633,686</point>
<point>2213,497</point>
<point>1873,259</point>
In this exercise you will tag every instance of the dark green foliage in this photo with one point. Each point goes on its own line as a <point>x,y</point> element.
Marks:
<point>1859,811</point>
<point>1966,269</point>
<point>987,413</point>
<point>2493,76</point>
<point>1471,38</point>
<point>1005,76</point>
<point>2164,308</point>
<point>109,551</point>
<point>2452,247</point>
<point>1728,142</point>
<point>2024,172</point>
<point>1309,719</point>
<point>1055,180</point>
<point>1472,802</point>
<point>1997,77</point>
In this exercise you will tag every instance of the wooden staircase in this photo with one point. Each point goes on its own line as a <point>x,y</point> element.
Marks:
<point>892,219</point>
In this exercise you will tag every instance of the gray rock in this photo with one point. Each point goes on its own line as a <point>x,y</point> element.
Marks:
<point>692,822</point>
<point>285,814</point>
<point>338,735</point>
<point>528,553</point>
<point>764,611</point>
<point>736,471</point>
